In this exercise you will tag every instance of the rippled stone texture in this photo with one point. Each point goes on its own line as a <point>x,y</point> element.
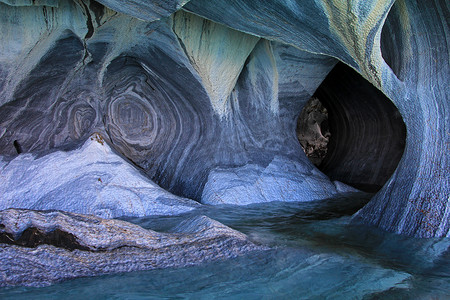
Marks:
<point>98,246</point>
<point>179,99</point>
<point>281,180</point>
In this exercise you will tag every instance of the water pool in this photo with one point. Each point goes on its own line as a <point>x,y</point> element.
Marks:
<point>316,253</point>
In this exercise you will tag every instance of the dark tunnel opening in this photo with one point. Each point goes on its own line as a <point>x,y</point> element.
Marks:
<point>354,133</point>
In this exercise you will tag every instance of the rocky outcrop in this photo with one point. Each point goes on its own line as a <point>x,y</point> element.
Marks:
<point>313,131</point>
<point>179,99</point>
<point>39,248</point>
<point>89,180</point>
<point>282,180</point>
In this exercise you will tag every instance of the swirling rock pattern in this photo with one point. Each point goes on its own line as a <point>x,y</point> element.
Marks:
<point>175,95</point>
<point>182,135</point>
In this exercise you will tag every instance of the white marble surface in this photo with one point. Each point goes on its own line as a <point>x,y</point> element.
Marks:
<point>89,180</point>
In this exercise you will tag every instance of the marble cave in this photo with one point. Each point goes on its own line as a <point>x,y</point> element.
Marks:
<point>204,148</point>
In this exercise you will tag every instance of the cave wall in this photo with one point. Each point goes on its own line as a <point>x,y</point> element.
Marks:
<point>178,97</point>
<point>183,97</point>
<point>415,201</point>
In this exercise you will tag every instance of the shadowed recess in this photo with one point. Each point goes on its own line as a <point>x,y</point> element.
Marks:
<point>33,237</point>
<point>367,131</point>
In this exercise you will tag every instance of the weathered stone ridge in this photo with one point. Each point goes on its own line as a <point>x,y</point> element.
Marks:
<point>96,246</point>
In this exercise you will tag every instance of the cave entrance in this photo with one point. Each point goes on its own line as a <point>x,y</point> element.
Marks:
<point>351,131</point>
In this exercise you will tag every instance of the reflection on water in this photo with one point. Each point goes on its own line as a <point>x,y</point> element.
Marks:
<point>316,253</point>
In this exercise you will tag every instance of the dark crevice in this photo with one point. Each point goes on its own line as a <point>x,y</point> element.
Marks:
<point>33,237</point>
<point>17,146</point>
<point>89,24</point>
<point>44,11</point>
<point>98,10</point>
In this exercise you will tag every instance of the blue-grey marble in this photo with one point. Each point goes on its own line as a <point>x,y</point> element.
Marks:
<point>90,180</point>
<point>176,96</point>
<point>281,180</point>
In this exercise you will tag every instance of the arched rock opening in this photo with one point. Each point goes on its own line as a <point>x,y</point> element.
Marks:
<point>366,135</point>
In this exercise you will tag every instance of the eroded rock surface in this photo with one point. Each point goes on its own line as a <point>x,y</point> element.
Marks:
<point>89,246</point>
<point>406,59</point>
<point>89,180</point>
<point>175,110</point>
<point>281,180</point>
<point>173,93</point>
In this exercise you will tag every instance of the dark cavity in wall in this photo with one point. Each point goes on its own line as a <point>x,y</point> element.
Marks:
<point>366,131</point>
<point>33,237</point>
<point>17,147</point>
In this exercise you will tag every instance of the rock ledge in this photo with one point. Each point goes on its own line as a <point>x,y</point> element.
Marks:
<point>38,248</point>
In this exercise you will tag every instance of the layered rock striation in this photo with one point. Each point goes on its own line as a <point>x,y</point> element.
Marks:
<point>415,200</point>
<point>44,247</point>
<point>177,97</point>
